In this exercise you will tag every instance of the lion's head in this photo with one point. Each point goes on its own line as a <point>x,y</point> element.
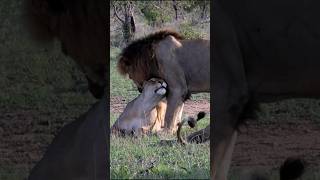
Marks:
<point>143,114</point>
<point>138,60</point>
<point>81,28</point>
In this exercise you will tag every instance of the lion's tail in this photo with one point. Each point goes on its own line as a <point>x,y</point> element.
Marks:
<point>192,123</point>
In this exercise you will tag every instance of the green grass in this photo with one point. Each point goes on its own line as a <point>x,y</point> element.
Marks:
<point>33,75</point>
<point>120,85</point>
<point>132,158</point>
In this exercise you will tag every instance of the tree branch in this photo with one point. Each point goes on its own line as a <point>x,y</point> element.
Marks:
<point>116,13</point>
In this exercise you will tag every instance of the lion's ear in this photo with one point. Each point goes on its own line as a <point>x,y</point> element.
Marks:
<point>123,66</point>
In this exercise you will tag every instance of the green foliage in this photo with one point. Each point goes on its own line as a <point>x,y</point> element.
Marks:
<point>189,6</point>
<point>155,15</point>
<point>189,32</point>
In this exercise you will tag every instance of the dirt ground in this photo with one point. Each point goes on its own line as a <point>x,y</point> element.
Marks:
<point>270,144</point>
<point>25,135</point>
<point>191,107</point>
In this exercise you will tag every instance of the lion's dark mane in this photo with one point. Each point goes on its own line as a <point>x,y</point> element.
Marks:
<point>139,55</point>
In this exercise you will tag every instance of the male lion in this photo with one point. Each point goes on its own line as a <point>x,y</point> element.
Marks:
<point>79,151</point>
<point>183,64</point>
<point>81,27</point>
<point>143,114</point>
<point>264,51</point>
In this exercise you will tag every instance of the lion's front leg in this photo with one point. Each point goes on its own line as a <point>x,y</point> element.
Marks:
<point>224,143</point>
<point>174,111</point>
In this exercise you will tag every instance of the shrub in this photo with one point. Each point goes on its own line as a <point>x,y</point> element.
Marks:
<point>155,16</point>
<point>189,32</point>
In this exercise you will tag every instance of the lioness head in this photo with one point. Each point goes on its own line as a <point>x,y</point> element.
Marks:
<point>143,114</point>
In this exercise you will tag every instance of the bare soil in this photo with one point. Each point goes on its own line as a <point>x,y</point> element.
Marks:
<point>25,134</point>
<point>270,144</point>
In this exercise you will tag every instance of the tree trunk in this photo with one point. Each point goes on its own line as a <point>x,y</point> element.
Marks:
<point>128,23</point>
<point>174,3</point>
<point>203,12</point>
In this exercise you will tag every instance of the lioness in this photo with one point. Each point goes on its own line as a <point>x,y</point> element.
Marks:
<point>183,64</point>
<point>144,113</point>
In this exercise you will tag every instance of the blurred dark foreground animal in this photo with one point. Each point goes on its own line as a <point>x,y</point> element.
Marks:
<point>79,151</point>
<point>291,169</point>
<point>81,27</point>
<point>264,51</point>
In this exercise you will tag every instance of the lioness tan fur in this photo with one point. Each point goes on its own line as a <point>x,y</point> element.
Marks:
<point>146,112</point>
